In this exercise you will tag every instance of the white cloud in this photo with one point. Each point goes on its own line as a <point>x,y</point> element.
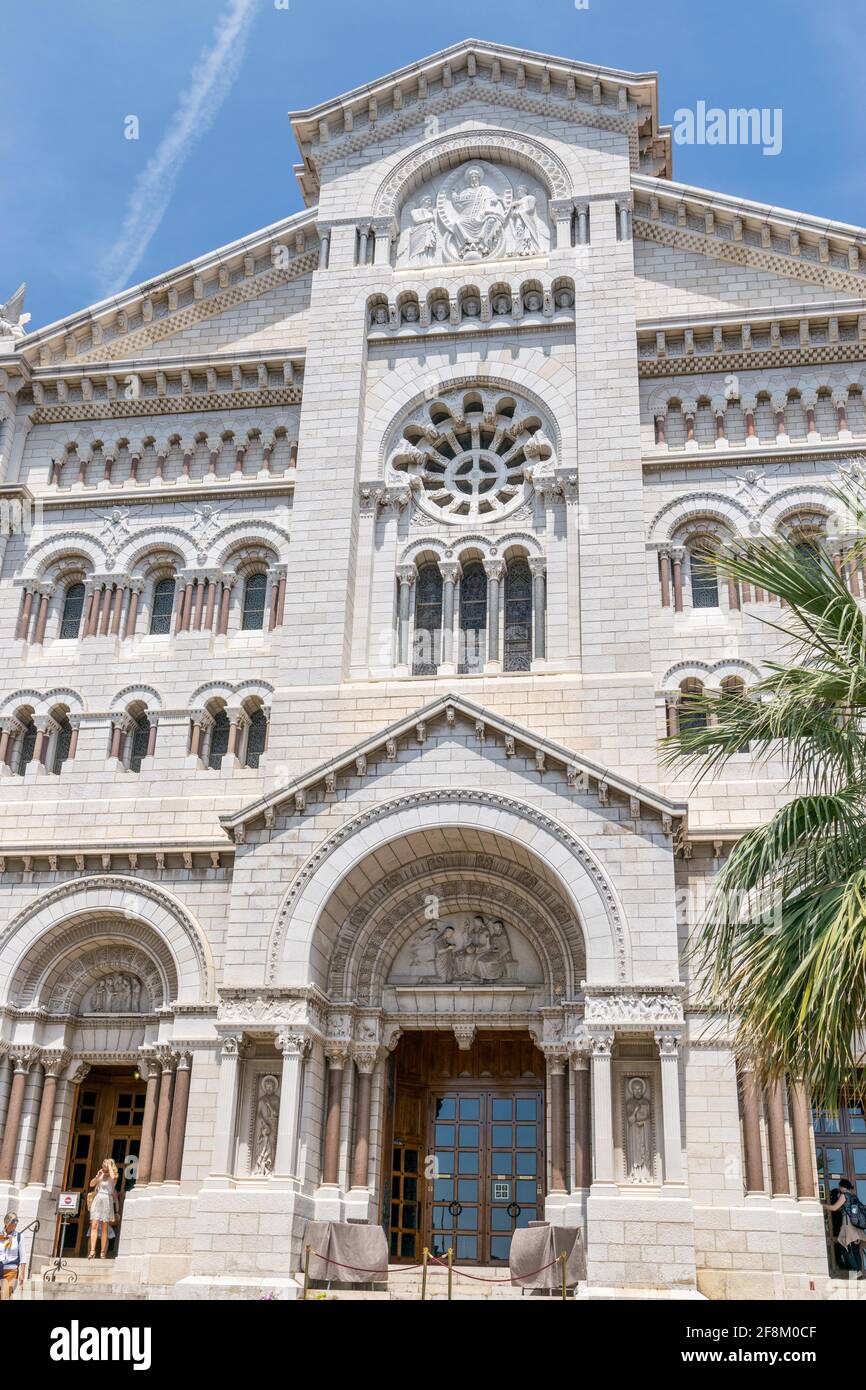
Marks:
<point>210,81</point>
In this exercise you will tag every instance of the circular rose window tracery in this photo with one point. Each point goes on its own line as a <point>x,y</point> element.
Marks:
<point>469,455</point>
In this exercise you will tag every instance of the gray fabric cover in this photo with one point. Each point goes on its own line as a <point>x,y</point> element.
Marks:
<point>537,1245</point>
<point>348,1244</point>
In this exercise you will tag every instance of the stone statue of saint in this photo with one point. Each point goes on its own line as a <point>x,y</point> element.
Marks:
<point>638,1114</point>
<point>527,234</point>
<point>421,235</point>
<point>265,1137</point>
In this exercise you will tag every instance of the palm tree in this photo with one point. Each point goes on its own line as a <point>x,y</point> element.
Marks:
<point>781,949</point>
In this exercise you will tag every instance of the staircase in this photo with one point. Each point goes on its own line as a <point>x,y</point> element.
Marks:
<point>404,1286</point>
<point>93,1282</point>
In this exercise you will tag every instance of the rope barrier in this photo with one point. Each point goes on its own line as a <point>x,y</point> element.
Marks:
<point>486,1279</point>
<point>407,1269</point>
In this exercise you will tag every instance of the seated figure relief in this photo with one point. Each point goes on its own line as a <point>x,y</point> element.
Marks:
<point>116,993</point>
<point>472,950</point>
<point>473,214</point>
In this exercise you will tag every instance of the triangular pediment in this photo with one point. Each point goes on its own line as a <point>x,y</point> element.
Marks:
<point>421,728</point>
<point>490,74</point>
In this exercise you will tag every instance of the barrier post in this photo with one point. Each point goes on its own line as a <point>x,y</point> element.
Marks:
<point>307,1249</point>
<point>450,1271</point>
<point>424,1274</point>
<point>564,1259</point>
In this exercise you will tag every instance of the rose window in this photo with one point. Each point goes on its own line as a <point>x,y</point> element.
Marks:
<point>469,457</point>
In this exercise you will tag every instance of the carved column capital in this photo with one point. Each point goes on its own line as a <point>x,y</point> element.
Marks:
<point>668,1044</point>
<point>366,1059</point>
<point>54,1060</point>
<point>292,1044</point>
<point>601,1044</point>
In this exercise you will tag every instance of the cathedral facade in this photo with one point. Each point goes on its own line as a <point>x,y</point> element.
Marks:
<point>351,575</point>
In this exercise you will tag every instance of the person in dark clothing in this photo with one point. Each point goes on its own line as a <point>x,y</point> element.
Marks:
<point>847,1238</point>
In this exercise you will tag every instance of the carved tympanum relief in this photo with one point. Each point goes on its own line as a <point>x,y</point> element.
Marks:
<point>470,455</point>
<point>267,1114</point>
<point>477,212</point>
<point>466,950</point>
<point>115,993</point>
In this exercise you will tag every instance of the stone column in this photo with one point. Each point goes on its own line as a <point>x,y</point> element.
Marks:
<point>558,1122</point>
<point>41,619</point>
<point>537,566</point>
<point>801,1125</point>
<point>494,569</point>
<point>337,1056</point>
<point>225,606</point>
<point>53,1065</point>
<point>752,1154</point>
<point>132,612</point>
<point>180,1104</point>
<point>294,1047</point>
<point>780,1181</point>
<point>22,1061</point>
<point>665,574</point>
<point>23,628</point>
<point>163,1118</point>
<point>450,571</point>
<point>150,1067</point>
<point>582,1121</point>
<point>406,578</point>
<point>227,1104</point>
<point>669,1054</point>
<point>677,558</point>
<point>365,1061</point>
<point>602,1109</point>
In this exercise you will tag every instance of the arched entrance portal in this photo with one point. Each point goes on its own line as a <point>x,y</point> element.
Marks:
<point>455,956</point>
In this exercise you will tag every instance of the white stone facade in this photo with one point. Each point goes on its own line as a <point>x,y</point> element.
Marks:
<point>351,566</point>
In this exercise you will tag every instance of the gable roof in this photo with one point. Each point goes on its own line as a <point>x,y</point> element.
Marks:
<point>579,770</point>
<point>610,97</point>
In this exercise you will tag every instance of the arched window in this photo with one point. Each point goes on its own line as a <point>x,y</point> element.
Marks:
<point>733,688</point>
<point>428,621</point>
<point>73,607</point>
<point>518,617</point>
<point>255,588</point>
<point>705,581</point>
<point>473,618</point>
<point>140,741</point>
<point>691,715</point>
<point>62,744</point>
<point>26,746</point>
<point>257,735</point>
<point>163,604</point>
<point>219,739</point>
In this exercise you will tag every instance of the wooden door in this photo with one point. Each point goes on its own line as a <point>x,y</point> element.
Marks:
<point>109,1112</point>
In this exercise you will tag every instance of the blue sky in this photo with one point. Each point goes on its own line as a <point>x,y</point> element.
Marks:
<point>74,71</point>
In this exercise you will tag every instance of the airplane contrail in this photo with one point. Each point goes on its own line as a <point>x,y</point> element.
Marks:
<point>210,82</point>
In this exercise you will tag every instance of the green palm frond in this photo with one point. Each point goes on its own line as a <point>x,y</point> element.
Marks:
<point>781,948</point>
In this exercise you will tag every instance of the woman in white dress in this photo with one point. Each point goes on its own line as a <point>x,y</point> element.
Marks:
<point>103,1207</point>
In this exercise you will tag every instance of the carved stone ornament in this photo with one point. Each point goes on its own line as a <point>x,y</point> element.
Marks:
<point>476,212</point>
<point>637,1009</point>
<point>260,1009</point>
